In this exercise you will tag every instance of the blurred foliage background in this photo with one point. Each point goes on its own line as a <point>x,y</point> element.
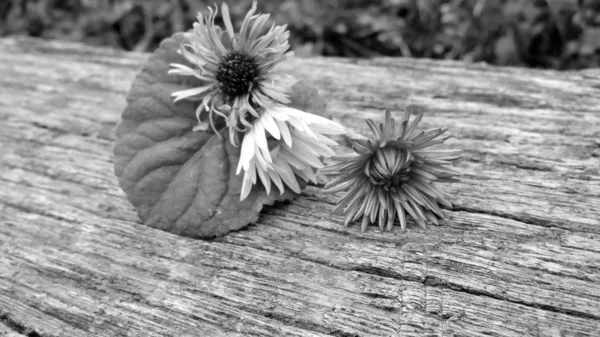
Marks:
<point>559,34</point>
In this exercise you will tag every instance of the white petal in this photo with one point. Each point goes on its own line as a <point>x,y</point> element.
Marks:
<point>279,116</point>
<point>326,141</point>
<point>285,110</point>
<point>317,148</point>
<point>180,69</point>
<point>328,129</point>
<point>261,141</point>
<point>277,180</point>
<point>297,123</point>
<point>247,151</point>
<point>294,161</point>
<point>244,29</point>
<point>274,93</point>
<point>300,159</point>
<point>252,172</point>
<point>246,186</point>
<point>285,171</point>
<point>285,132</point>
<point>260,160</point>
<point>227,20</point>
<point>269,124</point>
<point>300,150</point>
<point>321,124</point>
<point>307,174</point>
<point>308,131</point>
<point>266,180</point>
<point>190,92</point>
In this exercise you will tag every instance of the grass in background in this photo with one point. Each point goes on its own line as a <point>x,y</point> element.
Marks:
<point>559,34</point>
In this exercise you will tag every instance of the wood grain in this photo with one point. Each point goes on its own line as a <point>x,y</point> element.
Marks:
<point>519,255</point>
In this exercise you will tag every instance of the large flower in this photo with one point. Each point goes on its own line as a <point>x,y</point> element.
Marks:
<point>392,174</point>
<point>236,69</point>
<point>284,143</point>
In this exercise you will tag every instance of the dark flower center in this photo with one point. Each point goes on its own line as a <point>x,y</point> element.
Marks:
<point>389,167</point>
<point>236,73</point>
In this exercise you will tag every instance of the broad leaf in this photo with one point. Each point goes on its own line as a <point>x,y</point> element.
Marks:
<point>179,180</point>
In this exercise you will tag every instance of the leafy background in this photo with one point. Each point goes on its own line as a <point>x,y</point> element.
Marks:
<point>559,34</point>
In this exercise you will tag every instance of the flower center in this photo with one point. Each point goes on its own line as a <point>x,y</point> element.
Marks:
<point>236,73</point>
<point>389,167</point>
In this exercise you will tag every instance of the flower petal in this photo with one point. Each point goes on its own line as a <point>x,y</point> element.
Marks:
<point>247,151</point>
<point>277,180</point>
<point>269,124</point>
<point>227,20</point>
<point>181,94</point>
<point>246,186</point>
<point>265,179</point>
<point>286,174</point>
<point>285,132</point>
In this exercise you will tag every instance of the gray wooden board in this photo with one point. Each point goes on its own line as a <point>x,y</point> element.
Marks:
<point>519,255</point>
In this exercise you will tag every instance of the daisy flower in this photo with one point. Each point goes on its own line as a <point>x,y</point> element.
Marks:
<point>393,174</point>
<point>236,69</point>
<point>284,143</point>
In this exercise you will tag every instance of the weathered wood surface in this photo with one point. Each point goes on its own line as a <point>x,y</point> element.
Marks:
<point>518,256</point>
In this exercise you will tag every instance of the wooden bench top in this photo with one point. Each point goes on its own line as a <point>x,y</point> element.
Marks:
<point>519,255</point>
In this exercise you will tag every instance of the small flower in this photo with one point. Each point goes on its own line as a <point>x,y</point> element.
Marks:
<point>236,68</point>
<point>293,147</point>
<point>392,174</point>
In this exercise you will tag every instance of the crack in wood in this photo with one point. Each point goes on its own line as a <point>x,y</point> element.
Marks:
<point>432,281</point>
<point>526,219</point>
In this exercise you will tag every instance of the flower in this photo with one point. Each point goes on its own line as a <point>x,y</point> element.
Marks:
<point>392,174</point>
<point>240,84</point>
<point>236,69</point>
<point>293,147</point>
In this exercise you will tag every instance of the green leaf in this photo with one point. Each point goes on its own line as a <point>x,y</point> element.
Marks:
<point>181,181</point>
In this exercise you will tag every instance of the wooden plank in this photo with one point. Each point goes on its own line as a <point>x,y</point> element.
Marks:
<point>518,256</point>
